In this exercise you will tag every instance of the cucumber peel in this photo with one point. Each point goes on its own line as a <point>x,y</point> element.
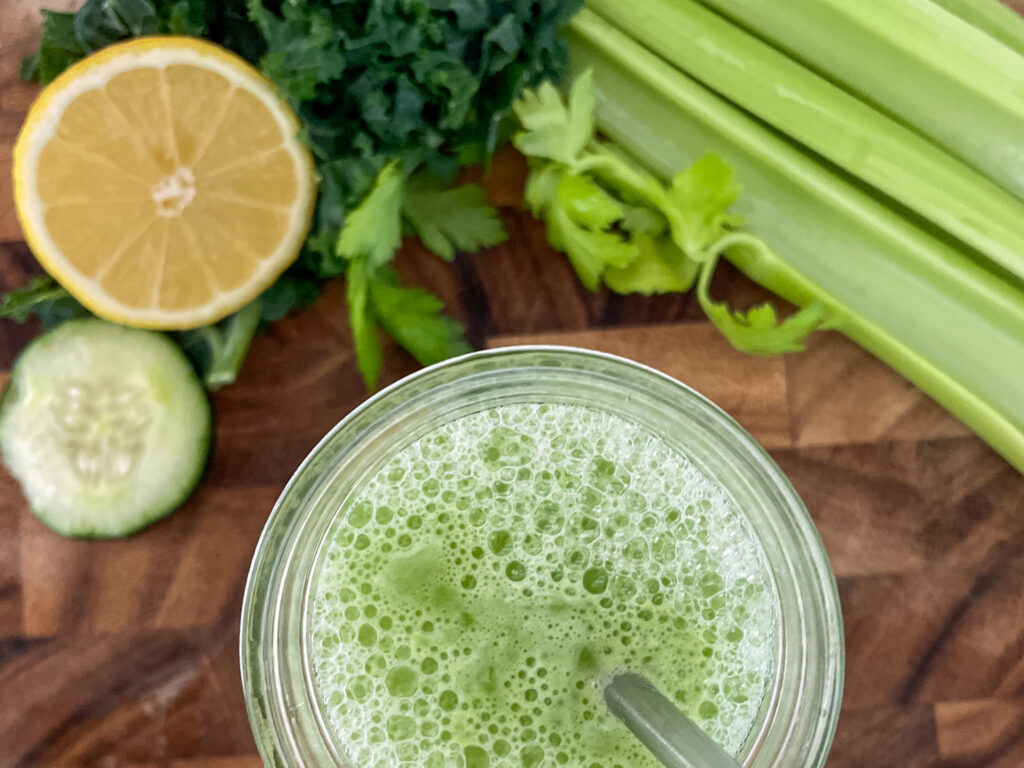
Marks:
<point>107,428</point>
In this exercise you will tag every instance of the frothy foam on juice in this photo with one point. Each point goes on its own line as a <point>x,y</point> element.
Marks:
<point>479,589</point>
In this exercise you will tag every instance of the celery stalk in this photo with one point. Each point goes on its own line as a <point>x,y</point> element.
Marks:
<point>794,100</point>
<point>921,305</point>
<point>991,16</point>
<point>924,65</point>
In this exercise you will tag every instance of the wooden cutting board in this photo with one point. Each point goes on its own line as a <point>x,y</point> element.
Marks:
<point>124,654</point>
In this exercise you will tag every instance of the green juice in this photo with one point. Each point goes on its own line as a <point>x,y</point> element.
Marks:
<point>482,586</point>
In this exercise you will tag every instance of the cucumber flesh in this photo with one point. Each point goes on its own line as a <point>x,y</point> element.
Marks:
<point>107,428</point>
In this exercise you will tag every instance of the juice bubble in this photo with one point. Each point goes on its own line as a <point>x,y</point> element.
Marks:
<point>516,571</point>
<point>361,514</point>
<point>367,636</point>
<point>401,727</point>
<point>499,542</point>
<point>401,681</point>
<point>531,756</point>
<point>476,757</point>
<point>595,580</point>
<point>549,518</point>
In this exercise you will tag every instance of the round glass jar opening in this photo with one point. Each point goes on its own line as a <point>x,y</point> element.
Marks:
<point>798,712</point>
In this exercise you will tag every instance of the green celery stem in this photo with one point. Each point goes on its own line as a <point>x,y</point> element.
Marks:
<point>992,17</point>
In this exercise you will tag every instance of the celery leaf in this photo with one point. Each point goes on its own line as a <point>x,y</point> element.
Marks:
<point>554,130</point>
<point>579,217</point>
<point>541,189</point>
<point>701,196</point>
<point>586,203</point>
<point>759,331</point>
<point>660,267</point>
<point>589,251</point>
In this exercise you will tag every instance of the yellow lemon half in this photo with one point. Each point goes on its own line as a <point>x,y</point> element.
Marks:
<point>162,183</point>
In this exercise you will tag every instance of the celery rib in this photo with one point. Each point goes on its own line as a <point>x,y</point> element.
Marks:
<point>920,63</point>
<point>873,147</point>
<point>992,17</point>
<point>919,304</point>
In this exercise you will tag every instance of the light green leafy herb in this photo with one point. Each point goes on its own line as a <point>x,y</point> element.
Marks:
<point>758,331</point>
<point>700,197</point>
<point>374,229</point>
<point>553,130</point>
<point>451,219</point>
<point>414,318</point>
<point>619,225</point>
<point>369,354</point>
<point>446,219</point>
<point>660,267</point>
<point>218,351</point>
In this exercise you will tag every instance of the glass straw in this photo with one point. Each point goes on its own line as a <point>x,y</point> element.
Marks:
<point>664,730</point>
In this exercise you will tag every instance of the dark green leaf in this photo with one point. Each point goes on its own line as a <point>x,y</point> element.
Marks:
<point>227,23</point>
<point>303,48</point>
<point>407,84</point>
<point>503,43</point>
<point>41,297</point>
<point>291,292</point>
<point>99,23</point>
<point>58,49</point>
<point>184,17</point>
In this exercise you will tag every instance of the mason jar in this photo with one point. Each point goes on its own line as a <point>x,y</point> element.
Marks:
<point>797,717</point>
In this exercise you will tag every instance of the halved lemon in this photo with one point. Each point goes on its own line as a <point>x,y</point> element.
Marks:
<point>161,181</point>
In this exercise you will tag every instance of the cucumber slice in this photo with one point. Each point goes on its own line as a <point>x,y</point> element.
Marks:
<point>107,428</point>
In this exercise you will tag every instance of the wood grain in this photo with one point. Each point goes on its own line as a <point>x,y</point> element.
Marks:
<point>986,732</point>
<point>124,654</point>
<point>753,388</point>
<point>832,383</point>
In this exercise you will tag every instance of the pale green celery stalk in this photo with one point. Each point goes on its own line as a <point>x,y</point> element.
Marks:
<point>930,68</point>
<point>803,105</point>
<point>920,305</point>
<point>991,16</point>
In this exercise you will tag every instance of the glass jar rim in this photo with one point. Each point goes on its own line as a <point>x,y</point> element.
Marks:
<point>800,718</point>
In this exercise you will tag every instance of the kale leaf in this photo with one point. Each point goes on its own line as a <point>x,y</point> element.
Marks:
<point>44,298</point>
